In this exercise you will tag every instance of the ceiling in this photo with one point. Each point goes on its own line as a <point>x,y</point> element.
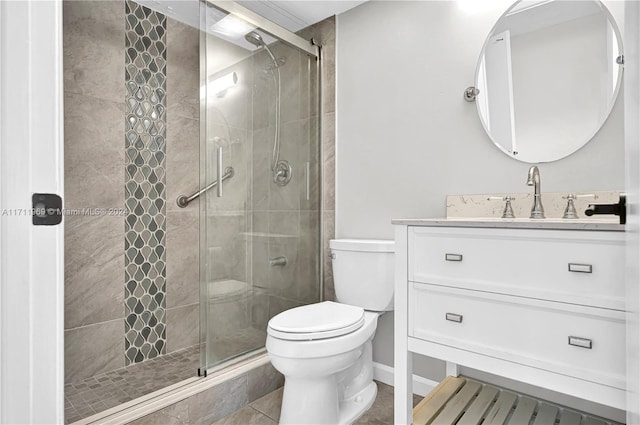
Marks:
<point>297,14</point>
<point>290,14</point>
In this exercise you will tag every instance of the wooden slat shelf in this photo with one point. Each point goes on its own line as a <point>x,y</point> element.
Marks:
<point>463,401</point>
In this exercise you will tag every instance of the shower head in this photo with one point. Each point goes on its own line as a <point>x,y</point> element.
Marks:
<point>257,40</point>
<point>254,38</point>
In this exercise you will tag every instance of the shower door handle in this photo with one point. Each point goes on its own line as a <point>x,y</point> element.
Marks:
<point>307,172</point>
<point>220,172</point>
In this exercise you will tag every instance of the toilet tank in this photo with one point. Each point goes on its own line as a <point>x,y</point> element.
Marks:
<point>363,272</point>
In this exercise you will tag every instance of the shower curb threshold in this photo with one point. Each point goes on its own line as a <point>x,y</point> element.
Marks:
<point>158,400</point>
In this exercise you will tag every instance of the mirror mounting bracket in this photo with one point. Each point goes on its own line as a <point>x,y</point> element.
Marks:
<point>470,94</point>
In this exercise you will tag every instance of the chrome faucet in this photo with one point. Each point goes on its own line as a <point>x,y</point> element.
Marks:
<point>537,210</point>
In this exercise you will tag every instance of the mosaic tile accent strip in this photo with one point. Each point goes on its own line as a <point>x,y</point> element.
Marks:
<point>145,191</point>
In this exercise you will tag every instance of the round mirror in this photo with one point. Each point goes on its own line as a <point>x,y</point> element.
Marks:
<point>548,77</point>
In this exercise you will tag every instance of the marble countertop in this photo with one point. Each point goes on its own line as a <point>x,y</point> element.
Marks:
<point>516,223</point>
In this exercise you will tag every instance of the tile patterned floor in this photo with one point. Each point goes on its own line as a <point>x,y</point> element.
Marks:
<point>101,392</point>
<point>266,410</point>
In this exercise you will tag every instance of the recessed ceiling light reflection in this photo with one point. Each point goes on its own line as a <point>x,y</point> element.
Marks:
<point>219,86</point>
<point>232,27</point>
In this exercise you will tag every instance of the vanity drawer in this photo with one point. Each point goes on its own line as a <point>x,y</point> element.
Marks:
<point>578,341</point>
<point>580,267</point>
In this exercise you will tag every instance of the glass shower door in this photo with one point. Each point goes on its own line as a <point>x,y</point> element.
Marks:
<point>260,228</point>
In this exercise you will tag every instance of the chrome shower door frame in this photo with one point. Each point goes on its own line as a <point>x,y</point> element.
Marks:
<point>314,52</point>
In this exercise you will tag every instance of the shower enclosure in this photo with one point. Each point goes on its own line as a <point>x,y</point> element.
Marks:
<point>260,136</point>
<point>219,223</point>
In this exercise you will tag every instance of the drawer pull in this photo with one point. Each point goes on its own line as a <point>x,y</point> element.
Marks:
<point>452,317</point>
<point>580,268</point>
<point>580,342</point>
<point>453,257</point>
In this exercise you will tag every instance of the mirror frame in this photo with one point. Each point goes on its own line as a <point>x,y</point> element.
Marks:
<point>614,98</point>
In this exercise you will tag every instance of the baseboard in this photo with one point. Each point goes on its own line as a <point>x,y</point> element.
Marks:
<point>421,386</point>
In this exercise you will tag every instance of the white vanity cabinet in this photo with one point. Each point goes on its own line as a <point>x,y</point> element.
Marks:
<point>543,306</point>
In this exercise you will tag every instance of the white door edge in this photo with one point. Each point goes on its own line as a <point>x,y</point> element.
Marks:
<point>31,257</point>
<point>632,155</point>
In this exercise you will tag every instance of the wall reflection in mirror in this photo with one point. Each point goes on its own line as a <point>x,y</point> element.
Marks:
<point>548,77</point>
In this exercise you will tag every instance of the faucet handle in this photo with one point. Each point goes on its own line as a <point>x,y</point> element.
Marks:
<point>508,211</point>
<point>570,211</point>
<point>574,196</point>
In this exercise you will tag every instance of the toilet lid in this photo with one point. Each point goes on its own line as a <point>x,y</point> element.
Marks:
<point>316,321</point>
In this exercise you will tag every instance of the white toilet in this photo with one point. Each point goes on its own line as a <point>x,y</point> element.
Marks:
<point>324,349</point>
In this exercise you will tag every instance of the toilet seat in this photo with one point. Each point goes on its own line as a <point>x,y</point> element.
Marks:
<point>316,321</point>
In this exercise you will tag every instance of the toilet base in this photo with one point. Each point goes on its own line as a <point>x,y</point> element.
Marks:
<point>309,411</point>
<point>354,407</point>
<point>335,386</point>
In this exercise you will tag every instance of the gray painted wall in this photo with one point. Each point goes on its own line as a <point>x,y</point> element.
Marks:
<point>406,138</point>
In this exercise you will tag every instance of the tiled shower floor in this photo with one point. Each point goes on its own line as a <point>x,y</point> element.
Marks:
<point>101,392</point>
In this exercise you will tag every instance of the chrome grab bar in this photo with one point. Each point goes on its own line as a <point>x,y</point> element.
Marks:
<point>183,200</point>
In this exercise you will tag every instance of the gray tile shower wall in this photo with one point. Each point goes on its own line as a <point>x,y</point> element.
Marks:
<point>95,119</point>
<point>183,156</point>
<point>145,187</point>
<point>227,255</point>
<point>257,220</point>
<point>327,30</point>
<point>284,213</point>
<point>94,92</point>
<point>324,33</point>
